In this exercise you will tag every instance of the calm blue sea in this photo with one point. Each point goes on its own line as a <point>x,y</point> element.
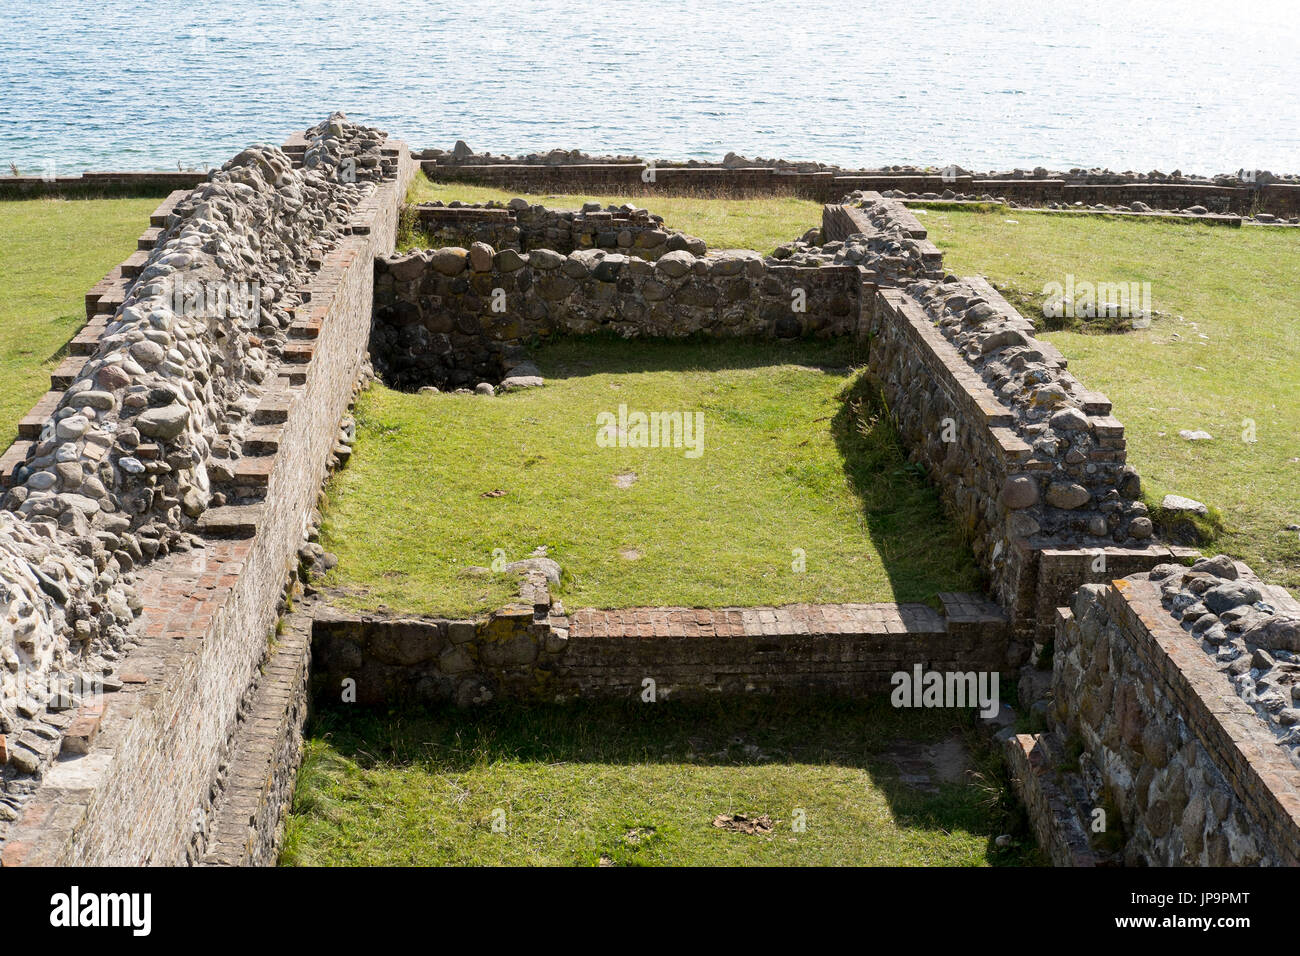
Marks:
<point>1205,86</point>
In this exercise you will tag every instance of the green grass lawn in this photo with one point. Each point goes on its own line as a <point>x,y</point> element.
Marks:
<point>641,784</point>
<point>51,252</point>
<point>761,224</point>
<point>1226,355</point>
<point>790,462</point>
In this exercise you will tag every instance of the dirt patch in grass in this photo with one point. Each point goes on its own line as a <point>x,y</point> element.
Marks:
<point>761,825</point>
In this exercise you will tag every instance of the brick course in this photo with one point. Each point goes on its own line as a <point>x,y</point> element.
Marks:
<point>524,652</point>
<point>142,794</point>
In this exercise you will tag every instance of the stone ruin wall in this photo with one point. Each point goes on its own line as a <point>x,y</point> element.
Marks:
<point>1027,459</point>
<point>532,651</point>
<point>437,320</point>
<point>1241,193</point>
<point>1185,730</point>
<point>172,481</point>
<point>1025,430</point>
<point>576,172</point>
<point>523,226</point>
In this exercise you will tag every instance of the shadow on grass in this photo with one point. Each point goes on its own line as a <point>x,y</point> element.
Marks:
<point>606,354</point>
<point>904,515</point>
<point>918,542</point>
<point>783,733</point>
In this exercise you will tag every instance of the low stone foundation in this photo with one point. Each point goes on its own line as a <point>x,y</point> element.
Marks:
<point>139,786</point>
<point>522,227</point>
<point>1183,768</point>
<point>630,175</point>
<point>453,316</point>
<point>525,652</point>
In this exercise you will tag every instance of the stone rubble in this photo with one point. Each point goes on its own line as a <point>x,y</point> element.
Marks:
<point>1079,489</point>
<point>1254,643</point>
<point>1088,495</point>
<point>532,226</point>
<point>890,251</point>
<point>129,461</point>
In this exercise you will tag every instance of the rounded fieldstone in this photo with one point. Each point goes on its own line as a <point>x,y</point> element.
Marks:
<point>514,382</point>
<point>507,260</point>
<point>1068,420</point>
<point>675,264</point>
<point>163,423</point>
<point>192,503</point>
<point>81,503</point>
<point>70,474</point>
<point>1130,483</point>
<point>42,480</point>
<point>408,268</point>
<point>1140,528</point>
<point>450,260</point>
<point>607,269</point>
<point>1225,597</point>
<point>480,257</point>
<point>1221,566</point>
<point>148,353</point>
<point>545,259</point>
<point>1001,339</point>
<point>72,427</point>
<point>1179,503</point>
<point>1019,491</point>
<point>1275,632</point>
<point>100,401</point>
<point>575,268</point>
<point>1067,495</point>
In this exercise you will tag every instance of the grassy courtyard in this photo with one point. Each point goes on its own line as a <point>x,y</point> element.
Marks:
<point>795,463</point>
<point>51,252</point>
<point>1223,356</point>
<point>798,493</point>
<point>848,783</point>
